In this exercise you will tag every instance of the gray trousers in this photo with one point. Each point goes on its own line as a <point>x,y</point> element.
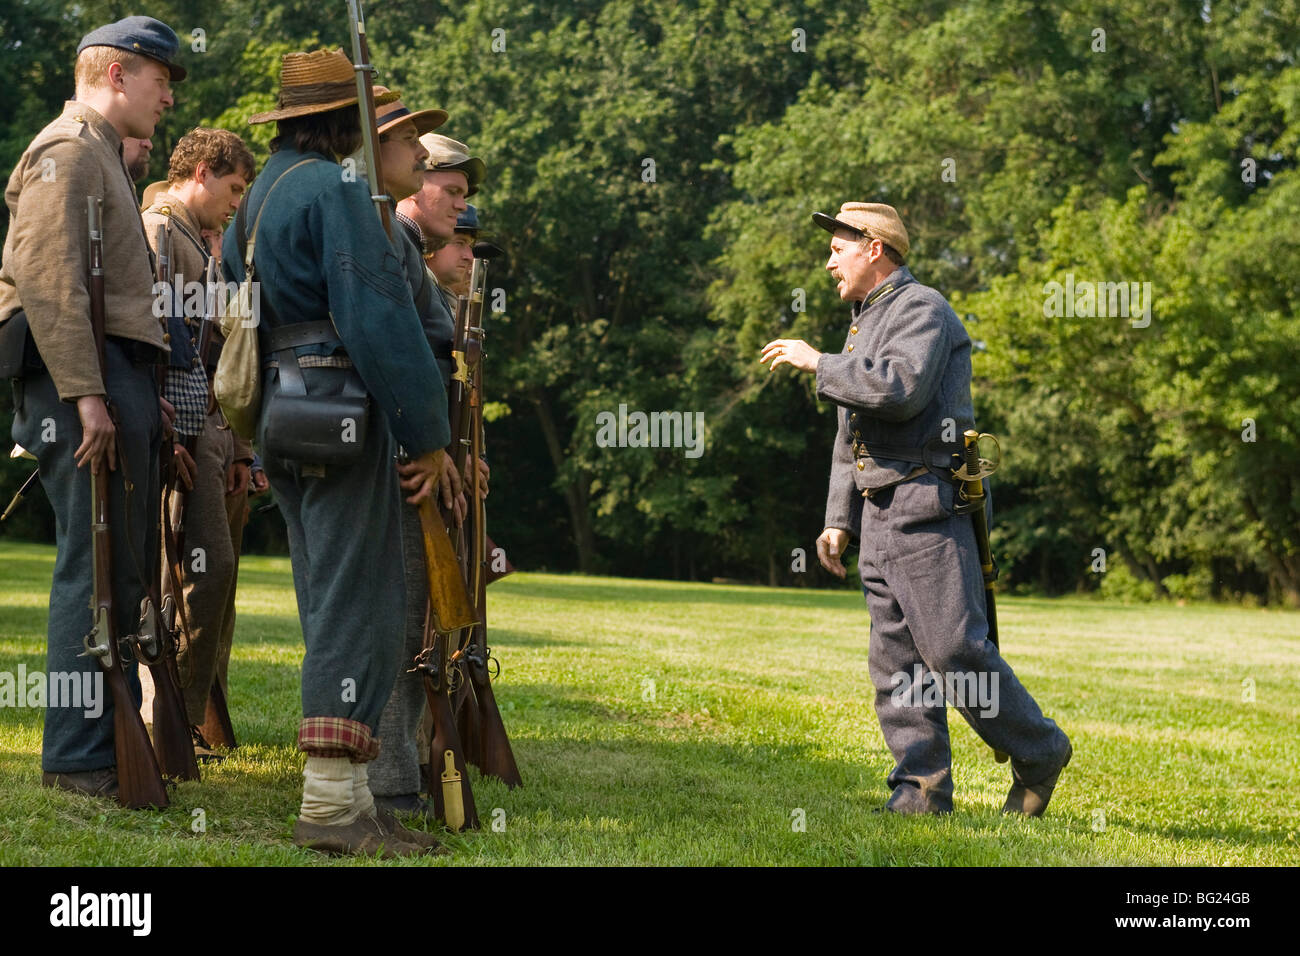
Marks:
<point>51,430</point>
<point>344,540</point>
<point>925,592</point>
<point>208,578</point>
<point>236,519</point>
<point>396,771</point>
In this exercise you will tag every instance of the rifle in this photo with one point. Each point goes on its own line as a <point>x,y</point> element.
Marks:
<point>139,784</point>
<point>971,475</point>
<point>217,728</point>
<point>488,742</point>
<point>453,801</point>
<point>449,605</point>
<point>155,641</point>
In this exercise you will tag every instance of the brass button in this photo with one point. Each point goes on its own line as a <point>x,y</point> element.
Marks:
<point>857,434</point>
<point>853,331</point>
<point>861,464</point>
<point>850,348</point>
<point>166,337</point>
<point>194,362</point>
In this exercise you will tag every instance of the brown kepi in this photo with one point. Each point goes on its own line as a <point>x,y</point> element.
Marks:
<point>316,82</point>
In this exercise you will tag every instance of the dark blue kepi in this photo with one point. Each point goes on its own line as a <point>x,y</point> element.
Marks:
<point>143,35</point>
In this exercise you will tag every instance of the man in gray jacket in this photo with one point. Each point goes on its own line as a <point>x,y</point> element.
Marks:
<point>902,387</point>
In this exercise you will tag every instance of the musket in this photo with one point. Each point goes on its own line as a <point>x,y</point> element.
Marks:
<point>155,640</point>
<point>451,605</point>
<point>466,353</point>
<point>489,744</point>
<point>971,476</point>
<point>217,728</point>
<point>453,801</point>
<point>139,783</point>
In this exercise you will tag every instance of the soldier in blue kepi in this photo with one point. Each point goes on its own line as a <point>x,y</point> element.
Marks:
<point>123,75</point>
<point>902,388</point>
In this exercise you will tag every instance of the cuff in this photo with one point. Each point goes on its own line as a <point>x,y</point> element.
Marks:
<point>337,737</point>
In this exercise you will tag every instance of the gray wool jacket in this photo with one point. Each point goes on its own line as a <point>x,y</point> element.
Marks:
<point>905,368</point>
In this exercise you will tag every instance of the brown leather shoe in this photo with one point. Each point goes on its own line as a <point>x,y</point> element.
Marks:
<point>93,783</point>
<point>390,825</point>
<point>361,836</point>
<point>1032,800</point>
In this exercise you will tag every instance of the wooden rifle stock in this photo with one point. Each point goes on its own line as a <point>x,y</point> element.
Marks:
<point>453,801</point>
<point>139,784</point>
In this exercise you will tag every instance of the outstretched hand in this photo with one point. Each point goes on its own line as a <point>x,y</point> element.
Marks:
<point>796,353</point>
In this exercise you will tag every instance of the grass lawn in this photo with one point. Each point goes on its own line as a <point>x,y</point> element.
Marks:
<point>664,723</point>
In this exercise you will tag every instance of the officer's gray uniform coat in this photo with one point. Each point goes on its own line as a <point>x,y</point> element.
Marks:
<point>904,372</point>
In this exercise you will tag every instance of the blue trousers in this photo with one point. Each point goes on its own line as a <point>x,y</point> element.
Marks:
<point>924,589</point>
<point>345,547</point>
<point>51,430</point>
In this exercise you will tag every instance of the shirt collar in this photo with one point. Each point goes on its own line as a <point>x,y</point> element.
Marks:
<point>413,230</point>
<point>179,212</point>
<point>95,122</point>
<point>885,287</point>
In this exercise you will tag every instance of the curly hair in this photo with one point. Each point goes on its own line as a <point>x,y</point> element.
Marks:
<point>222,150</point>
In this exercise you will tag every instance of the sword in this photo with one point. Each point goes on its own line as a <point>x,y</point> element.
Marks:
<point>971,476</point>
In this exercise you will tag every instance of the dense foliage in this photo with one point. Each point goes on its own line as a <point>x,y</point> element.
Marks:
<point>651,170</point>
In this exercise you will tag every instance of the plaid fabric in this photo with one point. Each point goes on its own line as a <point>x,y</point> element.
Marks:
<point>187,389</point>
<point>416,233</point>
<point>317,361</point>
<point>337,737</point>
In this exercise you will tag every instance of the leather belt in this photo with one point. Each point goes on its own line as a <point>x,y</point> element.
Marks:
<point>914,473</point>
<point>137,352</point>
<point>887,452</point>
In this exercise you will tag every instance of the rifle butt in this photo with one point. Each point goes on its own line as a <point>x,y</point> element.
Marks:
<point>139,783</point>
<point>467,723</point>
<point>172,743</point>
<point>446,739</point>
<point>497,759</point>
<point>491,563</point>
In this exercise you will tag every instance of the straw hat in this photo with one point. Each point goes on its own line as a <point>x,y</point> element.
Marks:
<point>868,219</point>
<point>315,82</point>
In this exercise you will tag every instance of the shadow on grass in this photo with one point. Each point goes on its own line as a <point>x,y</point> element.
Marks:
<point>669,592</point>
